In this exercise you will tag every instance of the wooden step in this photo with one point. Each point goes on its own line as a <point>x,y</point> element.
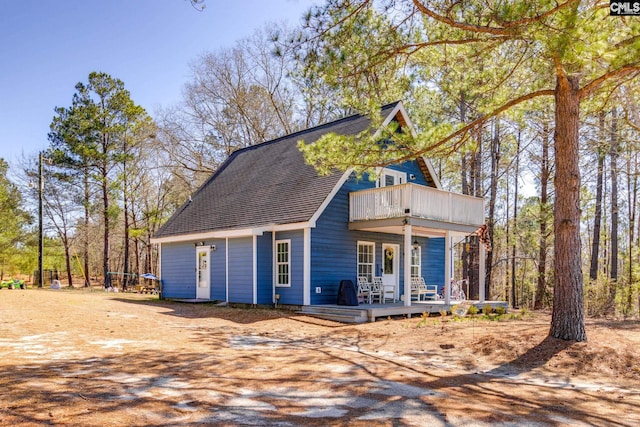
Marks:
<point>336,314</point>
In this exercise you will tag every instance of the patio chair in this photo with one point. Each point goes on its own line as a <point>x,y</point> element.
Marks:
<point>364,289</point>
<point>418,288</point>
<point>388,291</point>
<point>377,289</point>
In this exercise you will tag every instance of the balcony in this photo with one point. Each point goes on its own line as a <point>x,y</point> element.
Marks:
<point>416,201</point>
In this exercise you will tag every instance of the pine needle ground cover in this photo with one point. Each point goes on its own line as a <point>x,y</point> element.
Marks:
<point>95,358</point>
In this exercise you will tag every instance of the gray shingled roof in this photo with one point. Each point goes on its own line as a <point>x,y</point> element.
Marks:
<point>265,184</point>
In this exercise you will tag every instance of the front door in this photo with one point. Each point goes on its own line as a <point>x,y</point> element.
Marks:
<point>390,264</point>
<point>203,276</point>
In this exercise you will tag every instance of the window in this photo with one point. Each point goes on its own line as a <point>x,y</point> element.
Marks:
<point>389,177</point>
<point>283,263</point>
<point>416,261</point>
<point>366,259</point>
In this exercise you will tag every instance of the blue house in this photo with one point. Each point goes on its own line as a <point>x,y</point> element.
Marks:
<point>266,228</point>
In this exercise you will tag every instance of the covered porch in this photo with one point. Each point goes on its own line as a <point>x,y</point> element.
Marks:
<point>412,210</point>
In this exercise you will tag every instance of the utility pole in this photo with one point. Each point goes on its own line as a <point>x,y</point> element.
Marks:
<point>40,231</point>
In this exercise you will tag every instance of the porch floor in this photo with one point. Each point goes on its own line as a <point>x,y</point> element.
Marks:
<point>369,312</point>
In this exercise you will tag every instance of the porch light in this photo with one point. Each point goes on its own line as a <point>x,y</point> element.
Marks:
<point>416,244</point>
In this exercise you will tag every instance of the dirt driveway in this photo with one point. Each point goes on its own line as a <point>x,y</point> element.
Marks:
<point>95,358</point>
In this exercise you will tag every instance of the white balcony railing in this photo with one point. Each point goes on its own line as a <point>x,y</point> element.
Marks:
<point>416,201</point>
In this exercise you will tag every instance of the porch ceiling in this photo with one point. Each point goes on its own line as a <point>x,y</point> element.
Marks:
<point>420,227</point>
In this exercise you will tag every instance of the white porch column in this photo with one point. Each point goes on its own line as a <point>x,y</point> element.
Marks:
<point>159,263</point>
<point>482,271</point>
<point>226,269</point>
<point>273,263</point>
<point>255,269</point>
<point>306,262</point>
<point>159,271</point>
<point>407,265</point>
<point>447,267</point>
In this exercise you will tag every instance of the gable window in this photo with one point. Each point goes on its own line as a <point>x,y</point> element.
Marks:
<point>389,177</point>
<point>283,263</point>
<point>416,261</point>
<point>366,257</point>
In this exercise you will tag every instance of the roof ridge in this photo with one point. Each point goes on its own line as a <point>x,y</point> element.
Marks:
<point>309,130</point>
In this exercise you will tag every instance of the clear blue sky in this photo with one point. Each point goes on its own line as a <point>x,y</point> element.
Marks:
<point>47,46</point>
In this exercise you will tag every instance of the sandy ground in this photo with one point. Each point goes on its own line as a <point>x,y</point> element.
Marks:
<point>104,359</point>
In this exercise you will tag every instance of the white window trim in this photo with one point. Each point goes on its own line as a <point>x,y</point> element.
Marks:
<point>276,263</point>
<point>373,255</point>
<point>419,264</point>
<point>385,171</point>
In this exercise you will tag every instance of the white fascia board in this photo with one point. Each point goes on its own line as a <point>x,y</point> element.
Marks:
<point>245,232</point>
<point>223,234</point>
<point>432,171</point>
<point>403,112</point>
<point>288,227</point>
<point>329,198</point>
<point>347,173</point>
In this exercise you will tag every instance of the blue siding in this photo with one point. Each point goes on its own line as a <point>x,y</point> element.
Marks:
<point>265,269</point>
<point>411,167</point>
<point>334,246</point>
<point>333,257</point>
<point>433,252</point>
<point>294,294</point>
<point>218,270</point>
<point>178,270</point>
<point>241,270</point>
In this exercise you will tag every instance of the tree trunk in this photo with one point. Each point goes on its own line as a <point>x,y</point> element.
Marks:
<point>67,260</point>
<point>495,165</point>
<point>545,173</point>
<point>567,319</point>
<point>85,249</point>
<point>514,300</point>
<point>125,190</point>
<point>507,287</point>
<point>614,209</point>
<point>632,179</point>
<point>105,214</point>
<point>595,244</point>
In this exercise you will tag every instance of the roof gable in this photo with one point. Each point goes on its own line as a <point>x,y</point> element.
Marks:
<point>264,185</point>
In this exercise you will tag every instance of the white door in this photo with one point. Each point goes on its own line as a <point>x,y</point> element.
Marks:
<point>390,267</point>
<point>203,275</point>
<point>389,202</point>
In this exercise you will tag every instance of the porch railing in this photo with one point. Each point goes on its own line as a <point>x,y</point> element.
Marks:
<point>416,201</point>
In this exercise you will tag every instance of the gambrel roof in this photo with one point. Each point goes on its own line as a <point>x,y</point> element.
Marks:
<point>264,185</point>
